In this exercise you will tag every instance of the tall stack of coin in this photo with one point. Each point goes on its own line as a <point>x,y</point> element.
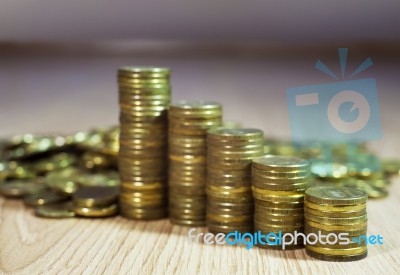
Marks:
<point>229,201</point>
<point>144,95</point>
<point>278,184</point>
<point>188,126</point>
<point>335,210</point>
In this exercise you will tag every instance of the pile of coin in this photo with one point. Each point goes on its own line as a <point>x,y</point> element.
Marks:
<point>144,96</point>
<point>334,210</point>
<point>278,184</point>
<point>188,126</point>
<point>229,200</point>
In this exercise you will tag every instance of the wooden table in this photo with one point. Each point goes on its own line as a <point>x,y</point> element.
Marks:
<point>70,92</point>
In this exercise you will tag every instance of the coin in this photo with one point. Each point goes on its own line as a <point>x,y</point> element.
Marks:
<point>337,258</point>
<point>45,197</point>
<point>20,188</point>
<point>334,214</point>
<point>62,181</point>
<point>391,167</point>
<point>336,221</point>
<point>281,163</point>
<point>335,195</point>
<point>55,210</point>
<point>338,252</point>
<point>95,196</point>
<point>104,179</point>
<point>96,212</point>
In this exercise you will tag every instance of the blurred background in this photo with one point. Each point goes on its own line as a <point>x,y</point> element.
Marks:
<point>58,60</point>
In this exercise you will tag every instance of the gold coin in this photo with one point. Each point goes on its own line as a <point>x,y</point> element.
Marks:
<point>336,195</point>
<point>336,221</point>
<point>95,196</point>
<point>273,193</point>
<point>45,197</point>
<point>96,212</point>
<point>337,258</point>
<point>224,218</point>
<point>21,188</point>
<point>281,187</point>
<point>276,210</point>
<point>336,208</point>
<point>274,228</point>
<point>142,214</point>
<point>234,134</point>
<point>349,227</point>
<point>278,198</point>
<point>195,223</point>
<point>333,214</point>
<point>278,174</point>
<point>58,210</point>
<point>106,179</point>
<point>351,233</point>
<point>287,205</point>
<point>338,252</point>
<point>281,163</point>
<point>391,167</point>
<point>144,71</point>
<point>63,181</point>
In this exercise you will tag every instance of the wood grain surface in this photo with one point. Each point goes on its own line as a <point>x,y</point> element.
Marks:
<point>31,245</point>
<point>67,93</point>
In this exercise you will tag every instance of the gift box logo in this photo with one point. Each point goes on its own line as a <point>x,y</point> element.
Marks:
<point>337,112</point>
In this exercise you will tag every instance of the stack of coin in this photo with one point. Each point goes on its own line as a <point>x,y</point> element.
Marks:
<point>144,96</point>
<point>278,184</point>
<point>335,210</point>
<point>229,201</point>
<point>96,201</point>
<point>188,126</point>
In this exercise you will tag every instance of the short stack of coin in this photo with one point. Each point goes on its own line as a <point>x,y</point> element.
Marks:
<point>229,200</point>
<point>334,210</point>
<point>188,126</point>
<point>144,96</point>
<point>278,184</point>
<point>96,201</point>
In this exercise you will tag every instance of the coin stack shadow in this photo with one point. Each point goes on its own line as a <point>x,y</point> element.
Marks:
<point>229,201</point>
<point>278,184</point>
<point>336,210</point>
<point>188,126</point>
<point>144,96</point>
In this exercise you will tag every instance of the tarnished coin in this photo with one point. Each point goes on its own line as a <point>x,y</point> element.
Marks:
<point>95,196</point>
<point>63,181</point>
<point>391,167</point>
<point>58,210</point>
<point>21,188</point>
<point>45,197</point>
<point>103,179</point>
